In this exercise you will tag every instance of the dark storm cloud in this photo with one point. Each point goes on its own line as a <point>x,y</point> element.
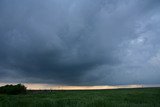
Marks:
<point>79,42</point>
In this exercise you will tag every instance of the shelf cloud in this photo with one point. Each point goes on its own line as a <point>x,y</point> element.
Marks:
<point>80,42</point>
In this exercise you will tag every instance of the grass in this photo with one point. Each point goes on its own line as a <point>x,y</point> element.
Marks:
<point>149,97</point>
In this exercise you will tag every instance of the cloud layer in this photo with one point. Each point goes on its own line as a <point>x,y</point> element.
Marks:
<point>80,42</point>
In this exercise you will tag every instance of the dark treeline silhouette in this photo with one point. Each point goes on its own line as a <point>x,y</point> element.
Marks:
<point>13,89</point>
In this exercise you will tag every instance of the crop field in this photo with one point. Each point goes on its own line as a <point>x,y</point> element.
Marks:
<point>146,97</point>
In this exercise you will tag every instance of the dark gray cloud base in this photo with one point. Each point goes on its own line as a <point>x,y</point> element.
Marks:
<point>80,42</point>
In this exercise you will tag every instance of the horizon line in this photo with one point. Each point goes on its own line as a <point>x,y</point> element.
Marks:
<point>39,86</point>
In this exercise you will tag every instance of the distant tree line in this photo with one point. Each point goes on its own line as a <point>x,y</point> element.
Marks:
<point>13,89</point>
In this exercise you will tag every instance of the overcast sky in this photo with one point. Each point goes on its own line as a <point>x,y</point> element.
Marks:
<point>80,42</point>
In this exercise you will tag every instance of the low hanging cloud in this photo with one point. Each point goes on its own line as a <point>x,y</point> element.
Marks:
<point>80,42</point>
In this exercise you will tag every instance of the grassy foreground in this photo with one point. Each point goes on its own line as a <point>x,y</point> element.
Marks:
<point>149,97</point>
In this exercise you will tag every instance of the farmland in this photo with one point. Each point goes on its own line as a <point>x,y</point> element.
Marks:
<point>144,97</point>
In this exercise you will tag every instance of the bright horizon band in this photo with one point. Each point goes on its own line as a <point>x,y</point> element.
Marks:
<point>34,86</point>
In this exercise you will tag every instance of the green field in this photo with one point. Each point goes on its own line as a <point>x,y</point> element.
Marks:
<point>149,97</point>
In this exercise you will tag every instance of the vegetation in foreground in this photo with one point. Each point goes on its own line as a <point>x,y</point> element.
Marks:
<point>149,97</point>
